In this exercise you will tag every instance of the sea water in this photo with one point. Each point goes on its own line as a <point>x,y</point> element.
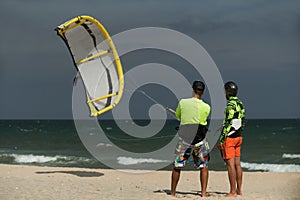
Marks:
<point>268,145</point>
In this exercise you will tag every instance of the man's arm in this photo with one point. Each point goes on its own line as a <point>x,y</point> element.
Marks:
<point>178,112</point>
<point>229,114</point>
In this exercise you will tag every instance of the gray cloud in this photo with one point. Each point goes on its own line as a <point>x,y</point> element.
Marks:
<point>253,42</point>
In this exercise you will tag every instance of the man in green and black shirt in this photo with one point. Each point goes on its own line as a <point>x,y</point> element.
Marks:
<point>231,138</point>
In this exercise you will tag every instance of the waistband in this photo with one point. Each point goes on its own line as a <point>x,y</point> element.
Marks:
<point>236,134</point>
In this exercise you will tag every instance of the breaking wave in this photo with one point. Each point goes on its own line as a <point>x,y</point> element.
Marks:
<point>271,167</point>
<point>135,161</point>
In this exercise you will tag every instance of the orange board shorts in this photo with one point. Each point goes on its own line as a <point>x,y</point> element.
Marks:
<point>232,147</point>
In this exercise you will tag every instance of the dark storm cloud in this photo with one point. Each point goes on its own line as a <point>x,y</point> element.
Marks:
<point>255,43</point>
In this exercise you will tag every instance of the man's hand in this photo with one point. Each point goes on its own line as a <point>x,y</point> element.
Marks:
<point>221,146</point>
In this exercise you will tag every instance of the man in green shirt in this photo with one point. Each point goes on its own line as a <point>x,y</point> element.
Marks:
<point>192,113</point>
<point>231,138</point>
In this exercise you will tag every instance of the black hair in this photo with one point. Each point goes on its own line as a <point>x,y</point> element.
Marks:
<point>198,87</point>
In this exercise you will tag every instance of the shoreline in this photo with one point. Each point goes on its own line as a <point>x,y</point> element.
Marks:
<point>35,182</point>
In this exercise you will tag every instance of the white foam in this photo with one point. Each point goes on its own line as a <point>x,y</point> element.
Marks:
<point>287,128</point>
<point>292,156</point>
<point>134,161</point>
<point>30,158</point>
<point>271,167</point>
<point>25,130</point>
<point>102,144</point>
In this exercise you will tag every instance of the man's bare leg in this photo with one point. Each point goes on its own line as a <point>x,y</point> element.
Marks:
<point>232,177</point>
<point>175,179</point>
<point>204,180</point>
<point>239,175</point>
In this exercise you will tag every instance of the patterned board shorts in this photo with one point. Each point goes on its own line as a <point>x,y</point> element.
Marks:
<point>183,152</point>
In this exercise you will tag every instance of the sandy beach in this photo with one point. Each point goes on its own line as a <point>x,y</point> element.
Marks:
<point>32,182</point>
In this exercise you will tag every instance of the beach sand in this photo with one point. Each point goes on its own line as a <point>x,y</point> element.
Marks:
<point>32,182</point>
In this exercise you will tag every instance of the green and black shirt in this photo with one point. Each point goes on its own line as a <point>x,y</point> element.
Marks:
<point>234,121</point>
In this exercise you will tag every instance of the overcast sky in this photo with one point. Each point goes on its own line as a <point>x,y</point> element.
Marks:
<point>255,43</point>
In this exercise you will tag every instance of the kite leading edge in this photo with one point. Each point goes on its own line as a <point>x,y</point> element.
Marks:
<point>96,59</point>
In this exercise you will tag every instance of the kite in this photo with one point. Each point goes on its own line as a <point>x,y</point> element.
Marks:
<point>96,59</point>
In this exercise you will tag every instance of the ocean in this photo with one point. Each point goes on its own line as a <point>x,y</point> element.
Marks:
<point>268,145</point>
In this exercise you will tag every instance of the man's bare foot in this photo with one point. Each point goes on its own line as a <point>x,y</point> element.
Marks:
<point>239,192</point>
<point>231,195</point>
<point>203,194</point>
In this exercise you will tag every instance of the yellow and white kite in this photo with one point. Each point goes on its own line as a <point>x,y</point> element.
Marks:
<point>97,61</point>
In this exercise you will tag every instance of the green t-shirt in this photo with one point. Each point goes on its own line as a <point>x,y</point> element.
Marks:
<point>192,111</point>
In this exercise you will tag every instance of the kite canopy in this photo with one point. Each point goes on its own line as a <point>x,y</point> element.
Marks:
<point>97,61</point>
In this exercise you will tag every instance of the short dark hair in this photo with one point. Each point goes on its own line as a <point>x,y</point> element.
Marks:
<point>198,87</point>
